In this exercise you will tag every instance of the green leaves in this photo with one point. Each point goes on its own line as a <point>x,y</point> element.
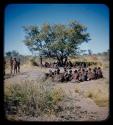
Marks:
<point>57,38</point>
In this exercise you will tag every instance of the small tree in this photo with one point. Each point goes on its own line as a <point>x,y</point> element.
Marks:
<point>89,52</point>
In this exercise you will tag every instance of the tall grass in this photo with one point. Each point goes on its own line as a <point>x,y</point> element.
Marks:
<point>31,99</point>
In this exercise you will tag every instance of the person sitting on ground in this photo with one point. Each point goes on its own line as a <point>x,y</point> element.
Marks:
<point>80,76</point>
<point>46,75</point>
<point>58,71</point>
<point>95,72</point>
<point>55,72</point>
<point>65,66</point>
<point>46,65</point>
<point>74,65</point>
<point>75,76</point>
<point>65,76</point>
<point>56,66</point>
<point>58,77</point>
<point>69,67</point>
<point>70,75</point>
<point>99,73</point>
<point>84,75</point>
<point>90,74</point>
<point>51,73</point>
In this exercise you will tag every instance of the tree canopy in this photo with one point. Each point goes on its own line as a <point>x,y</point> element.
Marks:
<point>56,40</point>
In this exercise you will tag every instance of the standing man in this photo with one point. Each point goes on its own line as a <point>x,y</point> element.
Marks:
<point>11,65</point>
<point>15,65</point>
<point>18,65</point>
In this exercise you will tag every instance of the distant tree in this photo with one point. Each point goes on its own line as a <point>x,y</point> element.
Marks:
<point>90,52</point>
<point>106,53</point>
<point>99,54</point>
<point>83,52</point>
<point>56,40</point>
<point>15,53</point>
<point>12,53</point>
<point>8,54</point>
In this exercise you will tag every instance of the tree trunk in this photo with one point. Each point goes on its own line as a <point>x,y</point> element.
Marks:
<point>41,61</point>
<point>65,61</point>
<point>60,61</point>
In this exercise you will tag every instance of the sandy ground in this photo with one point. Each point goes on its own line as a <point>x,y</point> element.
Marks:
<point>88,109</point>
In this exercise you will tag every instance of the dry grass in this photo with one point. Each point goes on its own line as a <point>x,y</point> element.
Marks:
<point>38,98</point>
<point>31,98</point>
<point>97,92</point>
<point>100,60</point>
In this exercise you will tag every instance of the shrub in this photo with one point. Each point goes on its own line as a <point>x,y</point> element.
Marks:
<point>31,98</point>
<point>33,62</point>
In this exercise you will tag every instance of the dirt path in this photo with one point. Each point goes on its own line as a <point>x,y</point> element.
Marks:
<point>88,110</point>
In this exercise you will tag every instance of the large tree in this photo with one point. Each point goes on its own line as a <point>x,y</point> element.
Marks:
<point>56,40</point>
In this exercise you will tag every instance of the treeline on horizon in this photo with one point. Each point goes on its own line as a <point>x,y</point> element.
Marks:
<point>16,54</point>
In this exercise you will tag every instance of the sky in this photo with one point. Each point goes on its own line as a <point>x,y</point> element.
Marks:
<point>94,16</point>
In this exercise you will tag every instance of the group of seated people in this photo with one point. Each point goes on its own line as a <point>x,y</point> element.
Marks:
<point>68,64</point>
<point>79,75</point>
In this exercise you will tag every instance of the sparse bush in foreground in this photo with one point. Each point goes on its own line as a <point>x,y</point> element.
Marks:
<point>32,99</point>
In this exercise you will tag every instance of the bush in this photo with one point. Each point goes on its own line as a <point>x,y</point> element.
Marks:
<point>31,99</point>
<point>33,62</point>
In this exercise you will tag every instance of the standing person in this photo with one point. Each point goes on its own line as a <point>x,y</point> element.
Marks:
<point>18,65</point>
<point>11,65</point>
<point>15,65</point>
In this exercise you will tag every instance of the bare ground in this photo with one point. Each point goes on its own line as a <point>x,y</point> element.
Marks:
<point>82,108</point>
